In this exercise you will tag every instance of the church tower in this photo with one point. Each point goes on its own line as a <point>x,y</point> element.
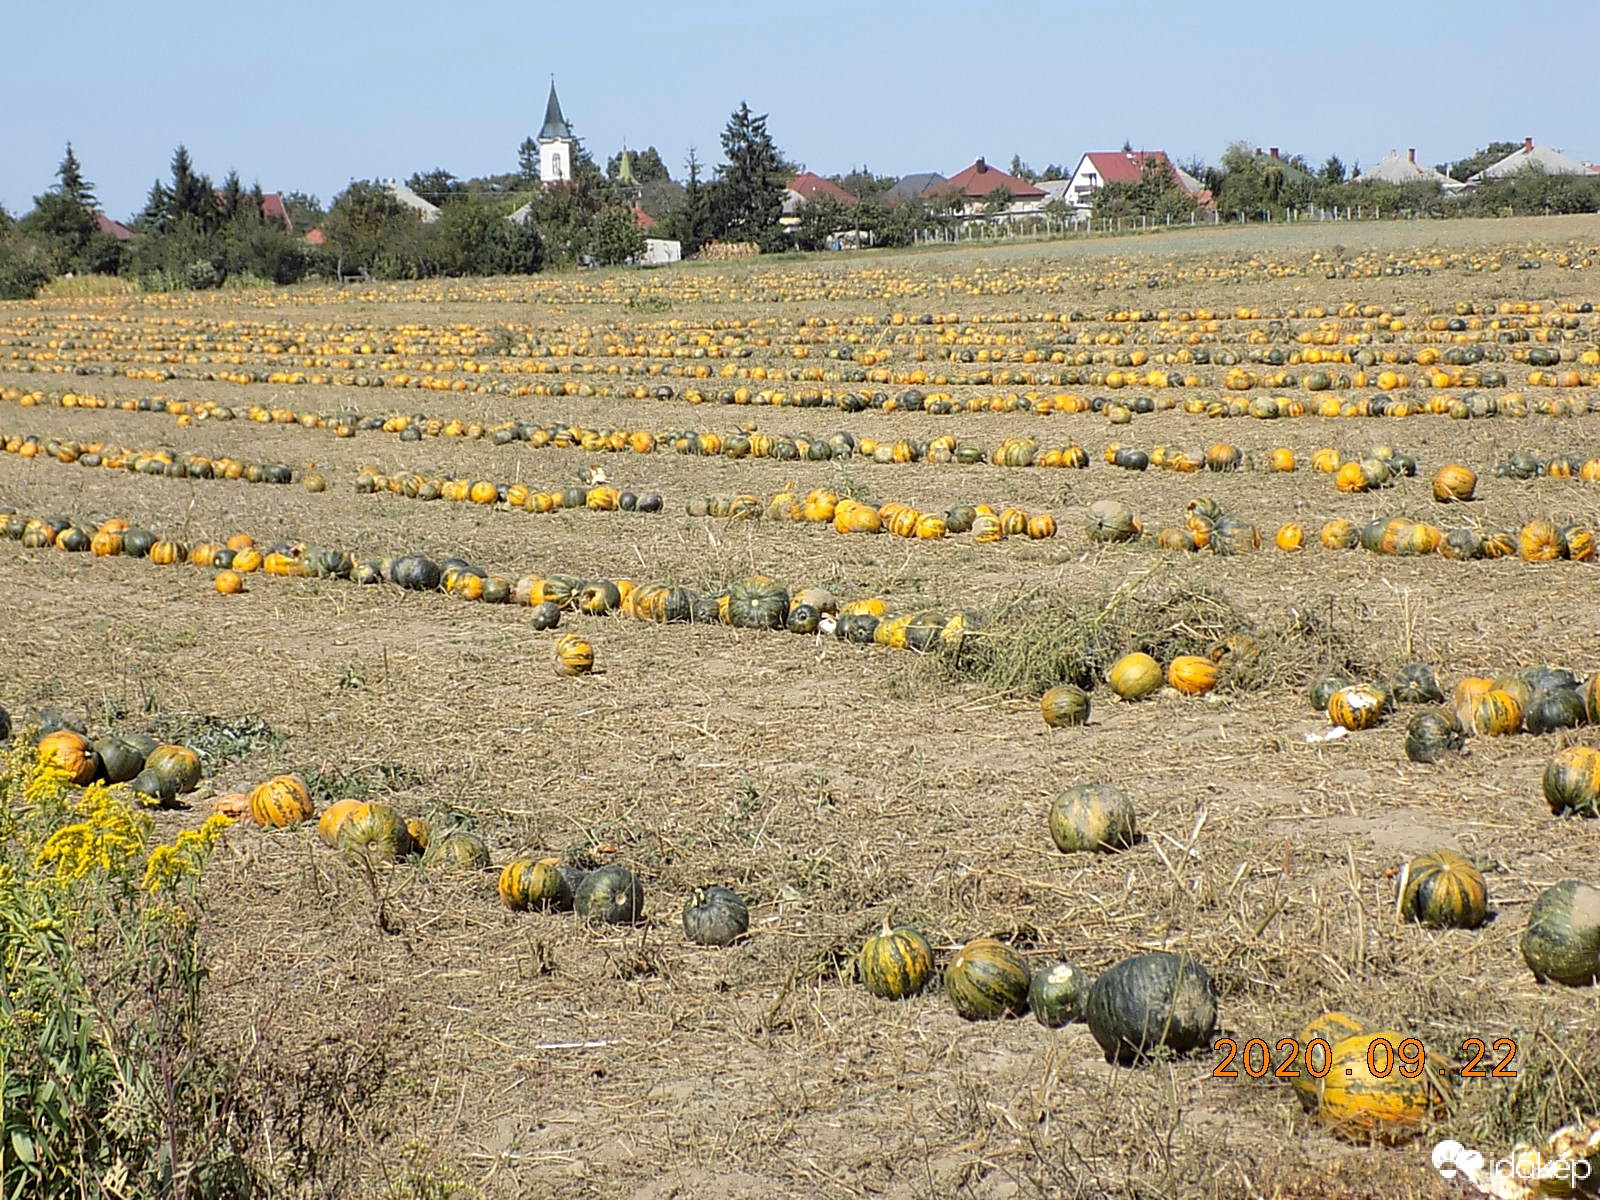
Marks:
<point>555,143</point>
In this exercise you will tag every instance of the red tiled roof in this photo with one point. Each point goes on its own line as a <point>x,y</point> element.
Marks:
<point>115,228</point>
<point>809,186</point>
<point>1126,166</point>
<point>271,208</point>
<point>980,179</point>
<point>317,238</point>
<point>643,219</point>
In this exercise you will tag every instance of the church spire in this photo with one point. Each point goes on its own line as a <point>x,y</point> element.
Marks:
<point>555,125</point>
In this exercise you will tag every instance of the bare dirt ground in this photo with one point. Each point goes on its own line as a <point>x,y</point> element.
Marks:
<point>411,1037</point>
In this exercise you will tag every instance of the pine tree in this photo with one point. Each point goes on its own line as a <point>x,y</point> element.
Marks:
<point>749,190</point>
<point>691,222</point>
<point>528,159</point>
<point>233,202</point>
<point>191,194</point>
<point>72,184</point>
<point>157,203</point>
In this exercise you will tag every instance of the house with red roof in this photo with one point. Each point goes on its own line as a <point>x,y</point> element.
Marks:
<point>808,186</point>
<point>115,228</point>
<point>1100,167</point>
<point>976,189</point>
<point>272,209</point>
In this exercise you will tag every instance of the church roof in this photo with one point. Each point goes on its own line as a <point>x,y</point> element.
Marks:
<point>555,125</point>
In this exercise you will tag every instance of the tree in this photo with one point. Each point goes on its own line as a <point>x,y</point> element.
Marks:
<point>190,193</point>
<point>1158,195</point>
<point>234,200</point>
<point>156,203</point>
<point>71,183</point>
<point>367,228</point>
<point>1466,168</point>
<point>692,222</point>
<point>820,218</point>
<point>63,222</point>
<point>437,186</point>
<point>1056,171</point>
<point>647,165</point>
<point>863,184</point>
<point>1333,170</point>
<point>305,212</point>
<point>528,160</point>
<point>1021,169</point>
<point>475,237</point>
<point>748,197</point>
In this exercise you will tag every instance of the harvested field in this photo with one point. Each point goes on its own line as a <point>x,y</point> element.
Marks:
<point>403,1034</point>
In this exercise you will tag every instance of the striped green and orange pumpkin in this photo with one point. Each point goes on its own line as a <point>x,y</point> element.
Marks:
<point>986,980</point>
<point>1444,889</point>
<point>1572,782</point>
<point>528,884</point>
<point>1329,1029</point>
<point>1357,1101</point>
<point>281,800</point>
<point>895,963</point>
<point>1562,941</point>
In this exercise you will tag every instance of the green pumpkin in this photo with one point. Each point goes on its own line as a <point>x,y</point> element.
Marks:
<point>1433,734</point>
<point>1444,889</point>
<point>457,850</point>
<point>986,980</point>
<point>154,787</point>
<point>1572,782</point>
<point>1057,993</point>
<point>1093,816</point>
<point>1417,685</point>
<point>415,573</point>
<point>758,602</point>
<point>715,916</point>
<point>895,963</point>
<point>544,615</point>
<point>612,895</point>
<point>178,763</point>
<point>119,760</point>
<point>803,618</point>
<point>1553,708</point>
<point>374,833</point>
<point>1322,690</point>
<point>1562,941</point>
<point>1151,1002</point>
<point>1065,704</point>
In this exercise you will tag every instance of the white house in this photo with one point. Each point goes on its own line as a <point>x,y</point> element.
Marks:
<point>1100,167</point>
<point>426,210</point>
<point>1552,162</point>
<point>1398,168</point>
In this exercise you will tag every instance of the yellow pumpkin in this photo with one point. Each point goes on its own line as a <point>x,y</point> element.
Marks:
<point>574,655</point>
<point>1192,675</point>
<point>1454,483</point>
<point>1356,707</point>
<point>1366,1094</point>
<point>332,817</point>
<point>1497,714</point>
<point>1290,537</point>
<point>281,800</point>
<point>1134,676</point>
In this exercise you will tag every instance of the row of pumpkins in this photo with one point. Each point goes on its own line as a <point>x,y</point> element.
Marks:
<point>600,498</point>
<point>161,461</point>
<point>156,772</point>
<point>845,514</point>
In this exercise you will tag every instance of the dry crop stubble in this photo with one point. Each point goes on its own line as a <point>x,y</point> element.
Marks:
<point>832,784</point>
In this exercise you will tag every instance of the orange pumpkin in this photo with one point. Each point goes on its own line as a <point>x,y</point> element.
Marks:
<point>281,800</point>
<point>229,583</point>
<point>70,753</point>
<point>1290,537</point>
<point>1454,483</point>
<point>1192,675</point>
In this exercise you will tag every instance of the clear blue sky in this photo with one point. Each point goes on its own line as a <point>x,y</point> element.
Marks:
<point>306,96</point>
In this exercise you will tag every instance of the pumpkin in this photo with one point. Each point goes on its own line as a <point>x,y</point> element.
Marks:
<point>1359,706</point>
<point>1572,782</point>
<point>1339,534</point>
<point>1150,1002</point>
<point>1540,541</point>
<point>1432,734</point>
<point>545,615</point>
<point>1443,889</point>
<point>1330,1029</point>
<point>1497,714</point>
<point>1056,994</point>
<point>1553,708</point>
<point>1065,704</point>
<point>153,787</point>
<point>1464,699</point>
<point>574,655</point>
<point>228,583</point>
<point>119,760</point>
<point>803,618</point>
<point>421,832</point>
<point>1192,675</point>
<point>1112,521</point>
<point>1322,690</point>
<point>526,884</point>
<point>895,963</point>
<point>1354,1102</point>
<point>1093,816</point>
<point>1461,545</point>
<point>332,817</point>
<point>1562,941</point>
<point>374,832</point>
<point>612,894</point>
<point>758,602</point>
<point>178,763</point>
<point>281,800</point>
<point>987,980</point>
<point>415,573</point>
<point>1417,685</point>
<point>1454,483</point>
<point>1290,537</point>
<point>70,753</point>
<point>715,916</point>
<point>1135,676</point>
<point>457,850</point>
